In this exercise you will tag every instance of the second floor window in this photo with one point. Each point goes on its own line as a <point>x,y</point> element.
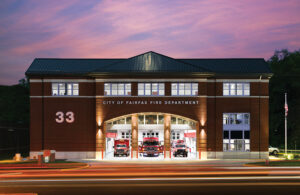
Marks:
<point>236,119</point>
<point>117,89</point>
<point>236,89</point>
<point>185,89</point>
<point>65,89</point>
<point>151,89</point>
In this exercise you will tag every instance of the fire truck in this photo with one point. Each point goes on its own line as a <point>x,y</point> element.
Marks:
<point>180,148</point>
<point>151,147</point>
<point>121,147</point>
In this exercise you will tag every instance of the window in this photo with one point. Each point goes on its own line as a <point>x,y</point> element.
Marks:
<point>65,89</point>
<point>141,119</point>
<point>236,89</point>
<point>128,120</point>
<point>160,119</point>
<point>184,89</point>
<point>117,89</point>
<point>236,119</point>
<point>173,120</point>
<point>236,132</point>
<point>175,135</point>
<point>125,135</point>
<point>151,89</point>
<point>236,140</point>
<point>151,119</point>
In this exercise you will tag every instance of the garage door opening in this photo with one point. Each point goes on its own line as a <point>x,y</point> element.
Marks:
<point>150,136</point>
<point>118,139</point>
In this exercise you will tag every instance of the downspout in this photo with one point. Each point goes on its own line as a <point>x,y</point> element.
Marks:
<point>215,102</point>
<point>43,123</point>
<point>259,116</point>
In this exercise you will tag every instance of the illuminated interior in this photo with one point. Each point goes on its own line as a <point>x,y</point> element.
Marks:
<point>157,138</point>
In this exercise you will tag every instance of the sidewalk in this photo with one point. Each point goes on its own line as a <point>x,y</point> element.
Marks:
<point>209,162</point>
<point>9,164</point>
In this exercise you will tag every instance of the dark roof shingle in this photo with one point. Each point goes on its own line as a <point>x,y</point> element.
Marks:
<point>149,62</point>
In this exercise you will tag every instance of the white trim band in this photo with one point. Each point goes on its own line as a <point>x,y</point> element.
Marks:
<point>57,96</point>
<point>62,80</point>
<point>239,80</point>
<point>201,96</point>
<point>148,80</point>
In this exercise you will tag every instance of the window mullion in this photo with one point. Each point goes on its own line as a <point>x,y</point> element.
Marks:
<point>66,89</point>
<point>110,88</point>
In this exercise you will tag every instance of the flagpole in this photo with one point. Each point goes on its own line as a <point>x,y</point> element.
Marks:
<point>285,124</point>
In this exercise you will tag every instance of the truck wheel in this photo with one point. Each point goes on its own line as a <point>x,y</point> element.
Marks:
<point>275,152</point>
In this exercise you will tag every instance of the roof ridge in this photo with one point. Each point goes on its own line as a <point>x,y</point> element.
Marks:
<point>168,57</point>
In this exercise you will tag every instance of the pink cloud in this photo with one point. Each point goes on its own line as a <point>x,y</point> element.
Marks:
<point>107,29</point>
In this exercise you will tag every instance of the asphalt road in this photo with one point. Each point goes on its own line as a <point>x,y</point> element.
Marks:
<point>153,179</point>
<point>152,186</point>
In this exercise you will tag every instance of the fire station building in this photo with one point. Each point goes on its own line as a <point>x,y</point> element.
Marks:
<point>215,108</point>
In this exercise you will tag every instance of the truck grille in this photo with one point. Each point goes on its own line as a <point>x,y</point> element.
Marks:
<point>151,149</point>
<point>180,151</point>
<point>120,150</point>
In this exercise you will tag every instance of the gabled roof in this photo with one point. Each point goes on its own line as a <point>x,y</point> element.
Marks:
<point>149,62</point>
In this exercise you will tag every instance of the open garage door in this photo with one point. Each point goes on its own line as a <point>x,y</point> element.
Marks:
<point>118,139</point>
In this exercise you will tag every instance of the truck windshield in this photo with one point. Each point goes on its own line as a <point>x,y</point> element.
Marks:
<point>180,146</point>
<point>148,143</point>
<point>121,145</point>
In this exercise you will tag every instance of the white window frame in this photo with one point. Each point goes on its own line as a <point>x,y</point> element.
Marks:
<point>231,89</point>
<point>121,89</point>
<point>65,89</point>
<point>151,89</point>
<point>232,116</point>
<point>184,89</point>
<point>229,144</point>
<point>230,125</point>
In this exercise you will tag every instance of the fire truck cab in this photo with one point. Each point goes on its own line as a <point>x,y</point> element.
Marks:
<point>121,147</point>
<point>180,149</point>
<point>150,147</point>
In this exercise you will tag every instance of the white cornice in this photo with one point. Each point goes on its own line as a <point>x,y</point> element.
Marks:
<point>239,80</point>
<point>146,80</point>
<point>145,97</point>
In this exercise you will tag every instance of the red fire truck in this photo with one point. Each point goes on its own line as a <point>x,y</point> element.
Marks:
<point>151,147</point>
<point>180,148</point>
<point>121,147</point>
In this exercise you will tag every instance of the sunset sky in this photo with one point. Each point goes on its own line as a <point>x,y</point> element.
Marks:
<point>120,29</point>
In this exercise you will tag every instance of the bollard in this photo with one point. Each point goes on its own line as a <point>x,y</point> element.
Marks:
<point>267,162</point>
<point>46,156</point>
<point>40,158</point>
<point>18,157</point>
<point>52,155</point>
<point>199,154</point>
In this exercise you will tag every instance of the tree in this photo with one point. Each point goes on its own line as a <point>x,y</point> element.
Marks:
<point>285,66</point>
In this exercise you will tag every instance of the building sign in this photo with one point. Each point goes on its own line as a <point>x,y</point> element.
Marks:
<point>190,134</point>
<point>111,135</point>
<point>152,102</point>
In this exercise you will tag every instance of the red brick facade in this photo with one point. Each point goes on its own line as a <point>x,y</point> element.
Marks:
<point>91,109</point>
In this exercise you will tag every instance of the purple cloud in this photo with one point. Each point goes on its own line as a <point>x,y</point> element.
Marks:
<point>107,29</point>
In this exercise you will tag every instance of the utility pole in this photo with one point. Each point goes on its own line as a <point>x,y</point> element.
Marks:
<point>285,123</point>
